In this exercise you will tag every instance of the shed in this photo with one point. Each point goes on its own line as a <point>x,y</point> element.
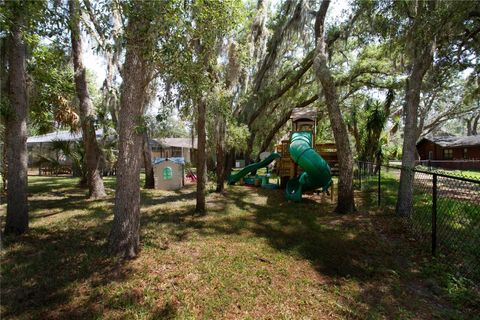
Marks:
<point>168,173</point>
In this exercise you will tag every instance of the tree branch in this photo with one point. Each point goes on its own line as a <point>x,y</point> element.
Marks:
<point>281,122</point>
<point>306,64</point>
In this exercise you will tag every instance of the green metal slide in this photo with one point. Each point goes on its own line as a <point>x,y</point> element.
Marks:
<point>252,167</point>
<point>316,173</point>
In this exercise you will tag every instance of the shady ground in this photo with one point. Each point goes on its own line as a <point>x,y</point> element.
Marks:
<point>252,256</point>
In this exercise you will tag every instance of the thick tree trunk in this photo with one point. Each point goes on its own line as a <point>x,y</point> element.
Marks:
<point>93,153</point>
<point>124,239</point>
<point>422,57</point>
<point>201,156</point>
<point>147,158</point>
<point>220,150</point>
<point>405,192</point>
<point>345,202</point>
<point>16,130</point>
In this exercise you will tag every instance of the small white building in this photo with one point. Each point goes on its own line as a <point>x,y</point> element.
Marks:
<point>169,173</point>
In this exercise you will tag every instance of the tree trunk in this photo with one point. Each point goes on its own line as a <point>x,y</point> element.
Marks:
<point>201,156</point>
<point>16,129</point>
<point>220,128</point>
<point>345,201</point>
<point>405,192</point>
<point>475,125</point>
<point>110,99</point>
<point>93,153</point>
<point>3,98</point>
<point>281,122</point>
<point>420,127</point>
<point>4,171</point>
<point>147,158</point>
<point>229,162</point>
<point>271,134</point>
<point>468,122</point>
<point>249,150</point>
<point>124,239</point>
<point>422,57</point>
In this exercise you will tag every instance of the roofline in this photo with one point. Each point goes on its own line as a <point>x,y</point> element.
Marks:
<point>438,144</point>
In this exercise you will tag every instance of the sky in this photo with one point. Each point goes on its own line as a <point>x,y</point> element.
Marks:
<point>95,63</point>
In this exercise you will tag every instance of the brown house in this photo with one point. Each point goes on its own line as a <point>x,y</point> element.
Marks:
<point>452,152</point>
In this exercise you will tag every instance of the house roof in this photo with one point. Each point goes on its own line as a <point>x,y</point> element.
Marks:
<point>451,141</point>
<point>60,136</point>
<point>175,142</point>
<point>304,113</point>
<point>177,160</point>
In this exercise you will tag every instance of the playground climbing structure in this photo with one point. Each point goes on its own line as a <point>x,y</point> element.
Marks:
<point>305,165</point>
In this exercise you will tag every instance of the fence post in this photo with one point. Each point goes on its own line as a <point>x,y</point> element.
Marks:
<point>434,215</point>
<point>379,182</point>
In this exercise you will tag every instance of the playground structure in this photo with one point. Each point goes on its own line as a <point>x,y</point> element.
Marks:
<point>302,165</point>
<point>252,167</point>
<point>168,173</point>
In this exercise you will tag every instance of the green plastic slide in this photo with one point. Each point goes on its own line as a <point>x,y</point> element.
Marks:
<point>252,167</point>
<point>316,173</point>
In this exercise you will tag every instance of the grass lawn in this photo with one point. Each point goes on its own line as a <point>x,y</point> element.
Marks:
<point>459,173</point>
<point>458,216</point>
<point>468,174</point>
<point>253,256</point>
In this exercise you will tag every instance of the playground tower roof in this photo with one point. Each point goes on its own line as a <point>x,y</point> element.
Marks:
<point>304,113</point>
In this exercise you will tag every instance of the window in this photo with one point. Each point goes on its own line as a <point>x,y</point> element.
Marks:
<point>167,173</point>
<point>465,153</point>
<point>176,152</point>
<point>447,154</point>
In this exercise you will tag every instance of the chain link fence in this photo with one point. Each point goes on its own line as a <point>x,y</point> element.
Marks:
<point>446,211</point>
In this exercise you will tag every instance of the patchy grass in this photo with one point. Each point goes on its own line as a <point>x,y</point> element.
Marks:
<point>458,216</point>
<point>253,256</point>
<point>459,173</point>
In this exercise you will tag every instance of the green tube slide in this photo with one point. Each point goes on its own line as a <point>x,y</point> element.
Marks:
<point>316,173</point>
<point>252,167</point>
